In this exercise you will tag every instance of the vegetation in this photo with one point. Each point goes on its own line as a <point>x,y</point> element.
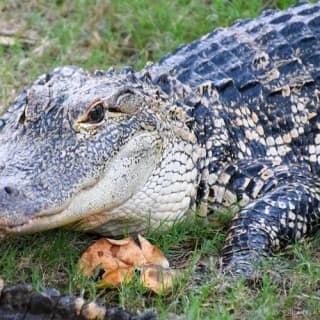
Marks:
<point>36,36</point>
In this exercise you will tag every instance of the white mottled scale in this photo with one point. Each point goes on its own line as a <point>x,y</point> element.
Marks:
<point>164,198</point>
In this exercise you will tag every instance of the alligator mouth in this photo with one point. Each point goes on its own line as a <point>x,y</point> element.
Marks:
<point>36,223</point>
<point>122,178</point>
<point>40,221</point>
<point>65,215</point>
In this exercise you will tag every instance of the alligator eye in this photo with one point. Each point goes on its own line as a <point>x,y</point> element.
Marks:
<point>96,114</point>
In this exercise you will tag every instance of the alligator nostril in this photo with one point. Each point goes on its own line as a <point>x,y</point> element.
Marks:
<point>8,190</point>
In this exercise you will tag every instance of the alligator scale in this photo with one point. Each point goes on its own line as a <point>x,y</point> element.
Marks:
<point>229,120</point>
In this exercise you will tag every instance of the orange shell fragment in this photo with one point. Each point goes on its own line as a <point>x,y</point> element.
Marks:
<point>113,278</point>
<point>158,279</point>
<point>152,254</point>
<point>99,255</point>
<point>119,259</point>
<point>127,251</point>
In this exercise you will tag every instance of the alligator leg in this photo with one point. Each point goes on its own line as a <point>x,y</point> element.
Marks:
<point>282,206</point>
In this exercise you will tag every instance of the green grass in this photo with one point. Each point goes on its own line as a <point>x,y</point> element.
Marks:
<point>96,35</point>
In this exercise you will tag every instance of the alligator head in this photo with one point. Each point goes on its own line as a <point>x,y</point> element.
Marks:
<point>97,152</point>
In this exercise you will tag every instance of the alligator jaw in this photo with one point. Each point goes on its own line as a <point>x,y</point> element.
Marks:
<point>124,176</point>
<point>35,224</point>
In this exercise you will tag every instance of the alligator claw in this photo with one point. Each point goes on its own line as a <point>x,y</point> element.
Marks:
<point>251,270</point>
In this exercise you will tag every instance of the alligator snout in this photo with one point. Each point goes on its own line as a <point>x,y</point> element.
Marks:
<point>8,191</point>
<point>15,207</point>
<point>9,195</point>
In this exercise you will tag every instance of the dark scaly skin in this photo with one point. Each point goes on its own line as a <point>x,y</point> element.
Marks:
<point>262,81</point>
<point>243,104</point>
<point>20,303</point>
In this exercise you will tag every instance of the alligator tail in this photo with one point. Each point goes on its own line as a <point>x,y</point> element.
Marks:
<point>20,302</point>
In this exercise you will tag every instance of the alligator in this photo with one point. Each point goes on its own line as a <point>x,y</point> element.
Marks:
<point>228,121</point>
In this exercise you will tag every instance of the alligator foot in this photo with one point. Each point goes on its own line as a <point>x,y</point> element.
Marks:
<point>250,267</point>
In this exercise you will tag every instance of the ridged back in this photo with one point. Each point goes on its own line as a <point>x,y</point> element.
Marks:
<point>266,72</point>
